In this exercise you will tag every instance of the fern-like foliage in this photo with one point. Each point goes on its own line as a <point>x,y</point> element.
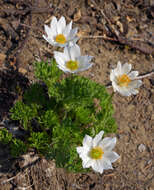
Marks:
<point>5,136</point>
<point>24,113</point>
<point>39,141</point>
<point>58,114</point>
<point>17,146</point>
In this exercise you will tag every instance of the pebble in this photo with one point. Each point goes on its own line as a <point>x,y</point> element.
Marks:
<point>152,2</point>
<point>2,57</point>
<point>22,70</point>
<point>141,147</point>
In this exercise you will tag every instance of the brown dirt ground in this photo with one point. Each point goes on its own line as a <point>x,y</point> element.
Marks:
<point>22,45</point>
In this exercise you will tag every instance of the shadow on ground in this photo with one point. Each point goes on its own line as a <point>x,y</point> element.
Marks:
<point>12,84</point>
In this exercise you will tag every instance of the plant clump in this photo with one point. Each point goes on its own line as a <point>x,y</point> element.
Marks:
<point>57,113</point>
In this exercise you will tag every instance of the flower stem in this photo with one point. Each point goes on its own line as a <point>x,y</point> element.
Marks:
<point>144,76</point>
<point>98,37</point>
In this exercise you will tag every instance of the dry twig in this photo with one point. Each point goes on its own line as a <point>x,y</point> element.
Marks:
<point>25,188</point>
<point>10,179</point>
<point>142,47</point>
<point>32,10</point>
<point>144,76</point>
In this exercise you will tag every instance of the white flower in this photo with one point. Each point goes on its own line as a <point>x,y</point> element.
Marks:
<point>124,81</point>
<point>97,153</point>
<point>71,60</point>
<point>60,34</point>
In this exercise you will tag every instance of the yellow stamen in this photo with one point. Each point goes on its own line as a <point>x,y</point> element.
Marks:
<point>60,38</point>
<point>123,80</point>
<point>96,153</point>
<point>72,65</point>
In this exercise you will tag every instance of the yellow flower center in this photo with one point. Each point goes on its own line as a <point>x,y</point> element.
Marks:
<point>72,65</point>
<point>123,80</point>
<point>96,153</point>
<point>60,38</point>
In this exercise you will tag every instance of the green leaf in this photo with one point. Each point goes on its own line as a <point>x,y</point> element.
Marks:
<point>48,72</point>
<point>49,119</point>
<point>5,136</point>
<point>17,147</point>
<point>36,95</point>
<point>40,141</point>
<point>24,113</point>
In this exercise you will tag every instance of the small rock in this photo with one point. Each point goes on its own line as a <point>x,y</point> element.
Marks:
<point>152,2</point>
<point>147,82</point>
<point>130,108</point>
<point>91,74</point>
<point>77,15</point>
<point>152,117</point>
<point>2,58</point>
<point>150,108</point>
<point>152,98</point>
<point>141,147</point>
<point>150,161</point>
<point>22,70</point>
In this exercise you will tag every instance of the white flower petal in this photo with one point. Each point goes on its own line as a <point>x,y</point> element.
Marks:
<point>75,71</point>
<point>59,60</point>
<point>134,91</point>
<point>84,158</point>
<point>112,75</point>
<point>53,23</point>
<point>125,92</point>
<point>97,166</point>
<point>51,31</point>
<point>62,56</point>
<point>118,70</point>
<point>126,68</point>
<point>73,33</point>
<point>82,59</point>
<point>108,143</point>
<point>50,41</point>
<point>64,69</point>
<point>67,52</point>
<point>48,30</point>
<point>87,141</point>
<point>79,149</point>
<point>75,52</point>
<point>132,75</point>
<point>67,30</point>
<point>87,163</point>
<point>112,156</point>
<point>122,90</point>
<point>59,54</point>
<point>72,42</point>
<point>135,84</point>
<point>85,67</point>
<point>84,153</point>
<point>84,62</point>
<point>62,45</point>
<point>106,164</point>
<point>61,25</point>
<point>97,138</point>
